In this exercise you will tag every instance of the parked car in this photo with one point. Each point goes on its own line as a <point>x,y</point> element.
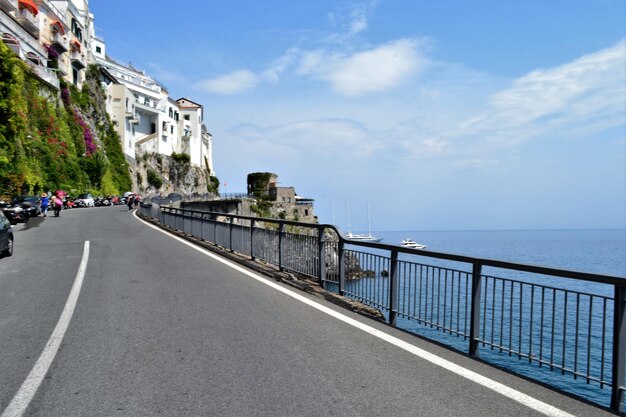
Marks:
<point>30,203</point>
<point>14,212</point>
<point>6,236</point>
<point>84,200</point>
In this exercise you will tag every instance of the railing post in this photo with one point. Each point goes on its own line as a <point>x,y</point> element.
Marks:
<point>281,232</point>
<point>202,222</point>
<point>230,234</point>
<point>321,257</point>
<point>252,239</point>
<point>475,311</point>
<point>214,223</point>
<point>342,267</point>
<point>619,349</point>
<point>393,289</point>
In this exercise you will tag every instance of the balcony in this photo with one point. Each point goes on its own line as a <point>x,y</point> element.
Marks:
<point>135,119</point>
<point>29,21</point>
<point>147,106</point>
<point>44,74</point>
<point>8,5</point>
<point>12,42</point>
<point>59,42</point>
<point>130,112</point>
<point>78,60</point>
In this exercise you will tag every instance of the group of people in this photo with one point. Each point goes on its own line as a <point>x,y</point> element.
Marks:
<point>133,199</point>
<point>54,201</point>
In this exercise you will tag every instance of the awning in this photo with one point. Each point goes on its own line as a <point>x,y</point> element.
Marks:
<point>76,44</point>
<point>58,25</point>
<point>30,5</point>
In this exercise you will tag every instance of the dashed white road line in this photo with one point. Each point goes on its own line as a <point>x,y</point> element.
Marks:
<point>17,407</point>
<point>511,393</point>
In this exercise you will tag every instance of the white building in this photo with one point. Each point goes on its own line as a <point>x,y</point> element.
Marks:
<point>40,31</point>
<point>79,29</point>
<point>147,118</point>
<point>57,39</point>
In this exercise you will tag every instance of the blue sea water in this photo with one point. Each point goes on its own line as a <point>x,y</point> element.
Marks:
<point>594,251</point>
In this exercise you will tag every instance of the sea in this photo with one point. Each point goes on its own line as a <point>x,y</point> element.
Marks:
<point>594,251</point>
<point>600,251</point>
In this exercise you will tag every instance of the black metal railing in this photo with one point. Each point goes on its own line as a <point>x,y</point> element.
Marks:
<point>540,316</point>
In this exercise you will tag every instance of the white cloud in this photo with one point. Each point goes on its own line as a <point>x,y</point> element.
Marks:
<point>587,91</point>
<point>273,73</point>
<point>375,70</point>
<point>359,16</point>
<point>233,83</point>
<point>338,137</point>
<point>352,21</point>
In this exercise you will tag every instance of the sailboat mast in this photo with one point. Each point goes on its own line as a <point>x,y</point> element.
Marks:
<point>369,226</point>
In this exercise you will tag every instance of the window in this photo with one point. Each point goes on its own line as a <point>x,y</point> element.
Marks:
<point>76,30</point>
<point>98,50</point>
<point>186,117</point>
<point>171,113</point>
<point>172,130</point>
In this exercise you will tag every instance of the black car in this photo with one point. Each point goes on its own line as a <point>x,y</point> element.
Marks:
<point>30,203</point>
<point>6,236</point>
<point>14,212</point>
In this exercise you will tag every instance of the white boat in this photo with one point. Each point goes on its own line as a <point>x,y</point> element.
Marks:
<point>361,237</point>
<point>408,243</point>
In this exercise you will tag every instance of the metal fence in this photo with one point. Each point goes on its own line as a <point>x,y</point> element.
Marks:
<point>543,317</point>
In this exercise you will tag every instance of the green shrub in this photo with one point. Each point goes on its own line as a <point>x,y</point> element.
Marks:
<point>181,158</point>
<point>154,179</point>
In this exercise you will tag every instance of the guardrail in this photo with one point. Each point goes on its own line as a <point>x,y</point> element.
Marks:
<point>539,316</point>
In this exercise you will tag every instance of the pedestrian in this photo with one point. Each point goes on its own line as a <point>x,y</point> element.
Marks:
<point>129,202</point>
<point>137,200</point>
<point>57,204</point>
<point>44,204</point>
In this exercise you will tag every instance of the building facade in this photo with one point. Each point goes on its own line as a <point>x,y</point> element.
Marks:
<point>148,119</point>
<point>57,39</point>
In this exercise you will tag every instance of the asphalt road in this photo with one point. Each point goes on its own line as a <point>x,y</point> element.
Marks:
<point>162,329</point>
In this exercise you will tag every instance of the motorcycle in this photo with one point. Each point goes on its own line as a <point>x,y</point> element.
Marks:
<point>101,201</point>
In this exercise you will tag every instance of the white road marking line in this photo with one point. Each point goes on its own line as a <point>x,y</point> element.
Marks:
<point>511,393</point>
<point>27,391</point>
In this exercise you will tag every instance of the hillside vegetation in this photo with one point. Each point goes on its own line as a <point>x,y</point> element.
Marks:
<point>56,140</point>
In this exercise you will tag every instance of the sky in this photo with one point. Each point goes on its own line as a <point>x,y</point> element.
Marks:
<point>435,115</point>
